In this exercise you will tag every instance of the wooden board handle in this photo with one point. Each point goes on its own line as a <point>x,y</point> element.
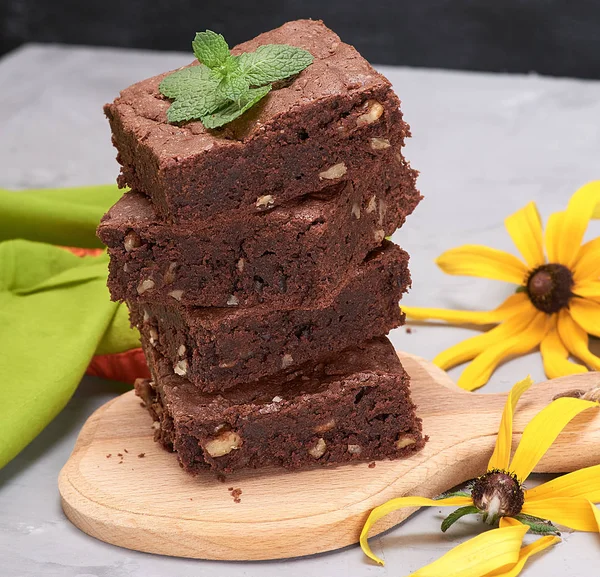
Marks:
<point>462,416</point>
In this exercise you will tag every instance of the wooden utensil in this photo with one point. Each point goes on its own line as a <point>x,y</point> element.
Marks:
<point>123,488</point>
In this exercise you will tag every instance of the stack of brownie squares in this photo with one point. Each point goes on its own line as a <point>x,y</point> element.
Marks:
<point>255,265</point>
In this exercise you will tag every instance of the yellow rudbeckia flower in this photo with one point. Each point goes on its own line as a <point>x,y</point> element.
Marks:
<point>500,497</point>
<point>558,300</point>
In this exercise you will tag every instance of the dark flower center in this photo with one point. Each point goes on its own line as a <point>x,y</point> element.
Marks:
<point>549,287</point>
<point>498,494</point>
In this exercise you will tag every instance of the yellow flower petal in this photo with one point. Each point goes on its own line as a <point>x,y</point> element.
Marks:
<point>500,458</point>
<point>587,265</point>
<point>477,557</point>
<point>513,305</point>
<point>524,555</point>
<point>553,237</point>
<point>574,512</point>
<point>556,357</point>
<point>525,229</point>
<point>586,314</point>
<point>596,512</point>
<point>541,432</point>
<point>588,289</point>
<point>482,261</point>
<point>575,222</point>
<point>479,371</point>
<point>576,340</point>
<point>509,522</point>
<point>582,483</point>
<point>401,503</point>
<point>596,211</point>
<point>470,348</point>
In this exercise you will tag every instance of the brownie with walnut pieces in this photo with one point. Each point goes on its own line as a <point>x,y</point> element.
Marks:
<point>220,348</point>
<point>354,406</point>
<point>285,257</point>
<point>325,125</point>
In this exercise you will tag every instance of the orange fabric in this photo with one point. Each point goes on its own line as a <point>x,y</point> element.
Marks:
<point>124,367</point>
<point>84,251</point>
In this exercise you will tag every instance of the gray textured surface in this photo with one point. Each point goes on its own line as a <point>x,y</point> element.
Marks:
<point>485,144</point>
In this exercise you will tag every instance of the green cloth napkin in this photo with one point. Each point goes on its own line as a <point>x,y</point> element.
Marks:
<point>62,216</point>
<point>55,309</point>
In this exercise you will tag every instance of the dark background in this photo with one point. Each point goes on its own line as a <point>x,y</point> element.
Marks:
<point>553,37</point>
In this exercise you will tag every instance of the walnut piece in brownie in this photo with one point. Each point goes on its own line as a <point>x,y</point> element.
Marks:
<point>324,126</point>
<point>220,348</point>
<point>354,406</point>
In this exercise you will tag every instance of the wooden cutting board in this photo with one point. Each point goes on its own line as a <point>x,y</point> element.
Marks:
<point>149,504</point>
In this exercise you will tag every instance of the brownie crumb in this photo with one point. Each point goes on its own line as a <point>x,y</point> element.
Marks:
<point>141,455</point>
<point>408,330</point>
<point>372,465</point>
<point>126,450</point>
<point>120,462</point>
<point>109,455</point>
<point>235,493</point>
<point>120,455</point>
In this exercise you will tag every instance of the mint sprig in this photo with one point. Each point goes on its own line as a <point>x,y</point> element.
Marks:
<point>224,86</point>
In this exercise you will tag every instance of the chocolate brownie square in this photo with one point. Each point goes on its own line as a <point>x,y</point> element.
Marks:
<point>324,126</point>
<point>220,348</point>
<point>354,406</point>
<point>285,257</point>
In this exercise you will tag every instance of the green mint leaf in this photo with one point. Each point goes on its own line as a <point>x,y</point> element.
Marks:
<point>456,515</point>
<point>273,62</point>
<point>233,84</point>
<point>210,48</point>
<point>191,79</point>
<point>195,91</point>
<point>235,109</point>
<point>231,66</point>
<point>234,87</point>
<point>195,106</point>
